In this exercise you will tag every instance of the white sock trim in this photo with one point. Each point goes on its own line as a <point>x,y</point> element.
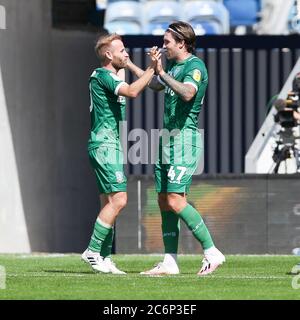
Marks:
<point>212,250</point>
<point>89,251</point>
<point>106,225</point>
<point>170,259</point>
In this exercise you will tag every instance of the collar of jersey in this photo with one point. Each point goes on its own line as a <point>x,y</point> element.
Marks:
<point>183,61</point>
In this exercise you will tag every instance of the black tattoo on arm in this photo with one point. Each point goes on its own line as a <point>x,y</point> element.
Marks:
<point>185,91</point>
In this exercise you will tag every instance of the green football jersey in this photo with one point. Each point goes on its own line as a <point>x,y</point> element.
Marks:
<point>107,109</point>
<point>179,114</point>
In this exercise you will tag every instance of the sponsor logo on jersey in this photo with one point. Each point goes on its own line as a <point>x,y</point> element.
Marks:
<point>121,99</point>
<point>119,176</point>
<point>197,75</point>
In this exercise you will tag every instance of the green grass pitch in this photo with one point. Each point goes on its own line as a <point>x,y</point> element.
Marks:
<point>66,277</point>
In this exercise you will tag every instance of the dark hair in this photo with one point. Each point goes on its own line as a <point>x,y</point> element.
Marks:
<point>183,31</point>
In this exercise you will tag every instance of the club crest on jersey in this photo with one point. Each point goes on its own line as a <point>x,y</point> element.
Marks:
<point>119,176</point>
<point>197,75</point>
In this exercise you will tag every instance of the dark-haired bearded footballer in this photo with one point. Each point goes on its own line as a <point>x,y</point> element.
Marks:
<point>184,81</point>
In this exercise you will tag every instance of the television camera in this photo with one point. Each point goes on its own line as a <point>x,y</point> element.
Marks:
<point>287,117</point>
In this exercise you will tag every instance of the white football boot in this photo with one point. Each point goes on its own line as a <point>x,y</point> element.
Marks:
<point>112,267</point>
<point>213,258</point>
<point>95,261</point>
<point>162,269</point>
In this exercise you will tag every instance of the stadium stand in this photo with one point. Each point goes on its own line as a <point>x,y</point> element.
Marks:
<point>124,27</point>
<point>124,17</point>
<point>158,15</point>
<point>206,27</point>
<point>207,17</point>
<point>245,15</point>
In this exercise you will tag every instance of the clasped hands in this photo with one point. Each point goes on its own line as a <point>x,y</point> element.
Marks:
<point>155,60</point>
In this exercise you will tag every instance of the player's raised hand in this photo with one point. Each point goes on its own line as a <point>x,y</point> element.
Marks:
<point>129,63</point>
<point>154,55</point>
<point>159,68</point>
<point>152,51</point>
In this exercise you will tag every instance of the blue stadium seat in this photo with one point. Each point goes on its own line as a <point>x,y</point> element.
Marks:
<point>246,14</point>
<point>123,27</point>
<point>159,14</point>
<point>211,15</point>
<point>124,16</point>
<point>206,28</point>
<point>156,28</point>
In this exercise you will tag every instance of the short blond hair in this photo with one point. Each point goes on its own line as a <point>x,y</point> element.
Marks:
<point>103,43</point>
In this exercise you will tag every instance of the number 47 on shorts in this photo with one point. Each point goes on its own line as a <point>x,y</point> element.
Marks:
<point>176,173</point>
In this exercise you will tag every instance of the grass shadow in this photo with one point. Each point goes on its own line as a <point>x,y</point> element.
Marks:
<point>68,271</point>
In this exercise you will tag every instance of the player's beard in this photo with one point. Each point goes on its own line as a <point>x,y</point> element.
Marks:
<point>171,53</point>
<point>168,54</point>
<point>120,64</point>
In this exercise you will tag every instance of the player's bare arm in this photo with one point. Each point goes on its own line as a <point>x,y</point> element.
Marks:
<point>137,86</point>
<point>138,72</point>
<point>184,90</point>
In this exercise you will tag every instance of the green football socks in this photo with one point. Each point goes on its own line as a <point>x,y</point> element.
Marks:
<point>107,244</point>
<point>170,230</point>
<point>99,235</point>
<point>195,223</point>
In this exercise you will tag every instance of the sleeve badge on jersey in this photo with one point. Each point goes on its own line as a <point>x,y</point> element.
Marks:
<point>197,75</point>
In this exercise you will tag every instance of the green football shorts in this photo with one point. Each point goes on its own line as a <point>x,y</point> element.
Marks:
<point>174,172</point>
<point>107,163</point>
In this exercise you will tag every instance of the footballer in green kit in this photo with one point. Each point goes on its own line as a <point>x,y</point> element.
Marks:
<point>105,151</point>
<point>184,147</point>
<point>107,92</point>
<point>184,82</point>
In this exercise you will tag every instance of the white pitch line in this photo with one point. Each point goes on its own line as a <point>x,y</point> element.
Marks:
<point>46,255</point>
<point>249,277</point>
<point>242,277</point>
<point>146,256</point>
<point>35,274</point>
